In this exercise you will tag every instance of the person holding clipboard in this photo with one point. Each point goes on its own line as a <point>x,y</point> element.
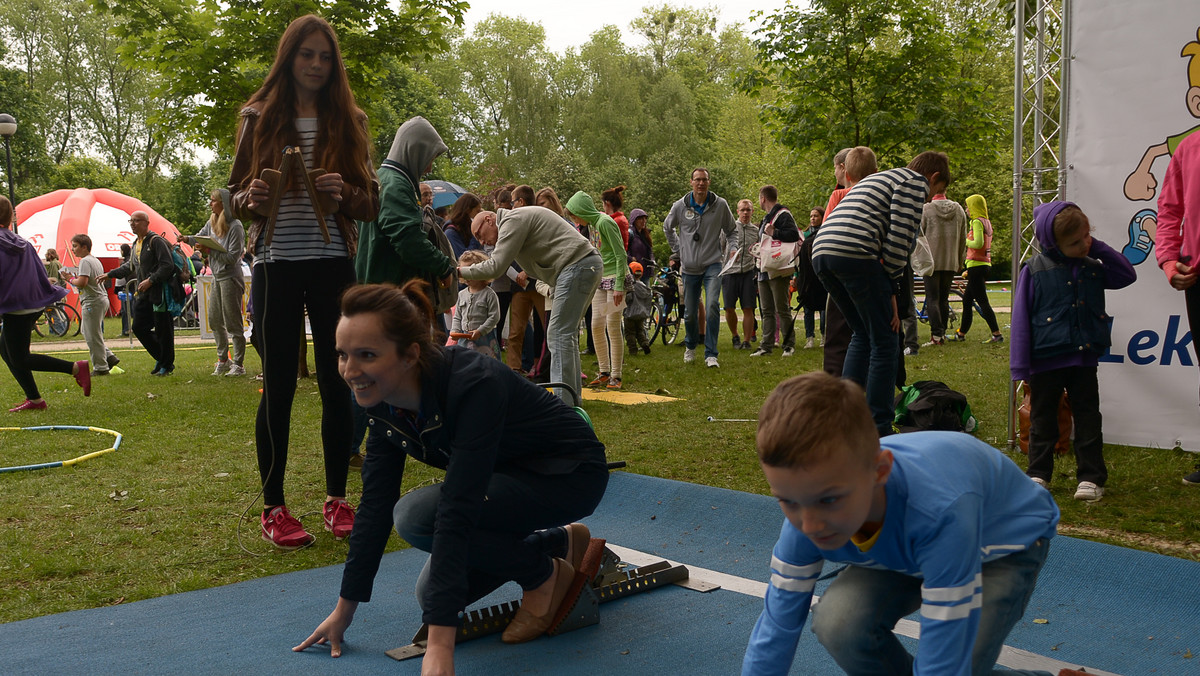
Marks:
<point>224,239</point>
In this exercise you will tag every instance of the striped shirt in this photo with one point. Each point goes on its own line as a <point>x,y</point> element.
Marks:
<point>879,219</point>
<point>297,236</point>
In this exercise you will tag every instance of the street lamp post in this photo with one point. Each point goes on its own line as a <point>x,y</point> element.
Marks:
<point>8,127</point>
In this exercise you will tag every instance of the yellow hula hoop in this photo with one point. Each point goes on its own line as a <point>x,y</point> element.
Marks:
<point>62,463</point>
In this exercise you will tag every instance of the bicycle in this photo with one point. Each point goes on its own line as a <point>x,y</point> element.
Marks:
<point>666,314</point>
<point>57,320</point>
<point>957,287</point>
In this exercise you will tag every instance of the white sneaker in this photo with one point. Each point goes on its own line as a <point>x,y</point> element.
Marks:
<point>1088,491</point>
<point>689,355</point>
<point>787,351</point>
<point>1040,481</point>
<point>711,362</point>
<point>808,344</point>
<point>221,368</point>
<point>235,370</point>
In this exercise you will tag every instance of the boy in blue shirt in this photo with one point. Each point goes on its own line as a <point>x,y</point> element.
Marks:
<point>932,521</point>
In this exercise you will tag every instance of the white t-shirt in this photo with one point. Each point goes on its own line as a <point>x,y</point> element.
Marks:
<point>92,268</point>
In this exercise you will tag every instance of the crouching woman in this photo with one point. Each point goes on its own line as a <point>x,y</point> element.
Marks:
<point>520,464</point>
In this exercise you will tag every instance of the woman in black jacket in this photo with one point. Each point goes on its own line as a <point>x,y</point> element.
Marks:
<point>517,459</point>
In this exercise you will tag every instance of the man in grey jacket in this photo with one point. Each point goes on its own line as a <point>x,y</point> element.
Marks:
<point>693,229</point>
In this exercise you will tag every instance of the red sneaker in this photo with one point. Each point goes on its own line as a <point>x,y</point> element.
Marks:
<point>339,518</point>
<point>283,530</point>
<point>29,406</point>
<point>83,376</point>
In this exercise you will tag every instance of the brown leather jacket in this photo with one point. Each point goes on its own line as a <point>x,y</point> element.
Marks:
<point>359,203</point>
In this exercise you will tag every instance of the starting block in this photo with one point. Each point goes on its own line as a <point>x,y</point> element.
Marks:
<point>601,578</point>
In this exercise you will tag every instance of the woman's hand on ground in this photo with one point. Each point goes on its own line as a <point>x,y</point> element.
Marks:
<point>333,629</point>
<point>439,651</point>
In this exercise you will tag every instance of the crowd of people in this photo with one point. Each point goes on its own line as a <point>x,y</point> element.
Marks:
<point>508,277</point>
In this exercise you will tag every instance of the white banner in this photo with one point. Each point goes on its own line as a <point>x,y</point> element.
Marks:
<point>1128,108</point>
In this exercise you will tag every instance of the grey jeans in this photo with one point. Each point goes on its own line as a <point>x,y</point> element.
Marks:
<point>572,294</point>
<point>225,318</point>
<point>92,324</point>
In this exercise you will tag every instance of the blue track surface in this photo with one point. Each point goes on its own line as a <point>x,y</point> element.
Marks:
<point>1110,608</point>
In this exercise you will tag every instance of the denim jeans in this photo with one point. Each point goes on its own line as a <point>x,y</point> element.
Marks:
<point>572,296</point>
<point>711,281</point>
<point>508,542</point>
<point>862,291</point>
<point>855,616</point>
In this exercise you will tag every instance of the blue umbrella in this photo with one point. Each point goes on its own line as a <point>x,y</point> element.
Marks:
<point>445,193</point>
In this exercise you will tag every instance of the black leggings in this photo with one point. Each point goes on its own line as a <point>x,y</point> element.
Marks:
<point>14,348</point>
<point>977,293</point>
<point>282,290</point>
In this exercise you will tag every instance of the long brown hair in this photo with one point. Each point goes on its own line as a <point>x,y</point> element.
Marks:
<point>342,144</point>
<point>460,213</point>
<point>405,314</point>
<point>551,198</point>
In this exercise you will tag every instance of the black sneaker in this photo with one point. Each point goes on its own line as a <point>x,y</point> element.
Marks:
<point>1192,479</point>
<point>737,343</point>
<point>112,360</point>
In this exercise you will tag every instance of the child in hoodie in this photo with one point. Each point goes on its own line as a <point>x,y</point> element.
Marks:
<point>979,263</point>
<point>1063,288</point>
<point>609,300</point>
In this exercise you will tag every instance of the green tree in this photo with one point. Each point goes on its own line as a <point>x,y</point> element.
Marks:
<point>509,105</point>
<point>867,72</point>
<point>212,56</point>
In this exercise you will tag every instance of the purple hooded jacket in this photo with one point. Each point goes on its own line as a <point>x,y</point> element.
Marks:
<point>23,281</point>
<point>1118,274</point>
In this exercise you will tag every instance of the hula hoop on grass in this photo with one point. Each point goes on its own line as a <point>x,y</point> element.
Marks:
<point>62,463</point>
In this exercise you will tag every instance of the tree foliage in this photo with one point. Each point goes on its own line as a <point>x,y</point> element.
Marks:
<point>213,56</point>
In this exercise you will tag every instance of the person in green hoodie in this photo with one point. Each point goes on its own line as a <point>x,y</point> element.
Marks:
<point>979,263</point>
<point>397,246</point>
<point>609,300</point>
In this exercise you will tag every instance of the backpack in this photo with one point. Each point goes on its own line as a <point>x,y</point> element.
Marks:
<point>183,266</point>
<point>932,405</point>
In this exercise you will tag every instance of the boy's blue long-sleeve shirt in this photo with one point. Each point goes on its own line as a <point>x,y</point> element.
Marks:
<point>953,503</point>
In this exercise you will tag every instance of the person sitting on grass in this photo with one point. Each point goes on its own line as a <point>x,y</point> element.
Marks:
<point>938,522</point>
<point>477,313</point>
<point>518,461</point>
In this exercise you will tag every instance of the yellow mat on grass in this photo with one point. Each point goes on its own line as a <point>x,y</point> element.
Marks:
<point>628,398</point>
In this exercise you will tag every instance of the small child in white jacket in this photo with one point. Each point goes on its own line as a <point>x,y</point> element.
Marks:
<point>477,313</point>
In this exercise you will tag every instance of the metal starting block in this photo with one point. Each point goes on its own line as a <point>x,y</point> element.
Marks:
<point>609,580</point>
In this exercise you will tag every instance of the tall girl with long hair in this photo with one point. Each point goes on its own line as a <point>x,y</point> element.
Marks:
<point>305,102</point>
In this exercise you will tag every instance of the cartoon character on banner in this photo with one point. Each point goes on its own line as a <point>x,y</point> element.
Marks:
<point>1141,184</point>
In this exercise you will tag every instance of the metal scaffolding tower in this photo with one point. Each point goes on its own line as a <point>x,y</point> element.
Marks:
<point>1040,97</point>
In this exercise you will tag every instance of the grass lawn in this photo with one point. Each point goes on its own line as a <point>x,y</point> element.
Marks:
<point>162,514</point>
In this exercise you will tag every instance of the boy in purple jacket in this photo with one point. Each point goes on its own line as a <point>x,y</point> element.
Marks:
<point>1059,331</point>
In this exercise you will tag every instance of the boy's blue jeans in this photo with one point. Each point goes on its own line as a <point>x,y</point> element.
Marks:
<point>863,293</point>
<point>710,279</point>
<point>856,614</point>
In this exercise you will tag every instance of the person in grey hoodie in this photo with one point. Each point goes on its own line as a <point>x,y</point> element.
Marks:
<point>229,284</point>
<point>944,225</point>
<point>693,228</point>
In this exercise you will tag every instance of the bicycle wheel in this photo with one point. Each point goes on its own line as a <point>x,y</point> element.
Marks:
<point>654,322</point>
<point>73,319</point>
<point>670,325</point>
<point>955,297</point>
<point>57,321</point>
